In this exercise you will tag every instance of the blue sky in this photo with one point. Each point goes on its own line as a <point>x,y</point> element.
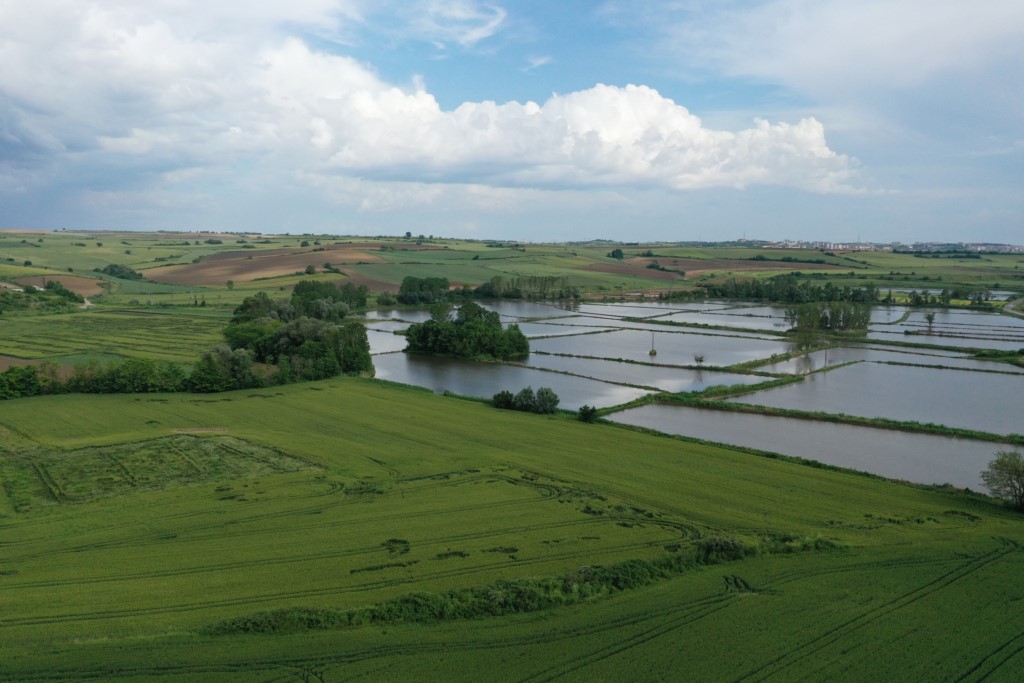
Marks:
<point>877,120</point>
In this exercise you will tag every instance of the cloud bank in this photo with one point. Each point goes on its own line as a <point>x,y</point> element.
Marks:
<point>116,97</point>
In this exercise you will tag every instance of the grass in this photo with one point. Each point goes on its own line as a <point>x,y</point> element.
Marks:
<point>177,335</point>
<point>123,583</point>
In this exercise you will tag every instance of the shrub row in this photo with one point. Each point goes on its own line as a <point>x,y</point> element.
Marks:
<point>502,597</point>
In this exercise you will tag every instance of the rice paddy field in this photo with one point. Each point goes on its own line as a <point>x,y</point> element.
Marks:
<point>131,525</point>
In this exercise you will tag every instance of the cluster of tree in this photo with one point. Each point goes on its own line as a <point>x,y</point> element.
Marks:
<point>681,295</point>
<point>120,271</point>
<point>26,380</point>
<point>527,287</point>
<point>789,259</point>
<point>53,297</point>
<point>423,290</point>
<point>616,254</point>
<point>472,332</point>
<point>305,336</point>
<point>837,316</point>
<point>828,316</point>
<point>324,351</point>
<point>955,255</point>
<point>790,289</point>
<point>544,401</point>
<point>433,290</point>
<point>807,320</point>
<point>224,369</point>
<point>310,299</point>
<point>925,298</point>
<point>131,376</point>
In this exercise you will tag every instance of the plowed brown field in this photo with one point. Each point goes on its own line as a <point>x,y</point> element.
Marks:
<point>242,266</point>
<point>83,286</point>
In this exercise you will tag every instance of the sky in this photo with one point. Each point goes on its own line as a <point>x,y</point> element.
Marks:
<point>662,120</point>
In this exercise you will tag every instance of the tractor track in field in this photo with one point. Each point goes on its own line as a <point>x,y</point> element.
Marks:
<point>354,552</point>
<point>253,600</point>
<point>993,661</point>
<point>548,492</point>
<point>844,629</point>
<point>678,620</point>
<point>685,610</point>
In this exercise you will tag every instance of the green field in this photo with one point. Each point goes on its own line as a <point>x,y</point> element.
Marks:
<point>178,335</point>
<point>131,524</point>
<point>145,537</point>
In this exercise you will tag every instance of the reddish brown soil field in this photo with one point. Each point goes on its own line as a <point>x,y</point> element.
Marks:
<point>372,284</point>
<point>633,270</point>
<point>241,266</point>
<point>11,362</point>
<point>83,286</point>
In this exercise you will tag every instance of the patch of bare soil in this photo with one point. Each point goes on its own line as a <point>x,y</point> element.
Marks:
<point>242,266</point>
<point>83,286</point>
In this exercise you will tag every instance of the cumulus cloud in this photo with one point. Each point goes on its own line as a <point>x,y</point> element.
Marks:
<point>85,84</point>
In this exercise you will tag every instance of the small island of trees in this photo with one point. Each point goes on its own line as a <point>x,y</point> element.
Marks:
<point>471,331</point>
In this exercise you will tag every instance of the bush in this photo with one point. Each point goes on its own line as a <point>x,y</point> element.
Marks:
<point>524,400</point>
<point>545,402</point>
<point>1004,478</point>
<point>587,414</point>
<point>503,399</point>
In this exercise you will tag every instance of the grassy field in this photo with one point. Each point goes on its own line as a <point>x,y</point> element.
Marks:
<point>130,524</point>
<point>134,527</point>
<point>384,262</point>
<point>169,334</point>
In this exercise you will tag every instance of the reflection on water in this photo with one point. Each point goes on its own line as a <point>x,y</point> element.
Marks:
<point>384,342</point>
<point>969,400</point>
<point>483,380</point>
<point>673,348</point>
<point>817,360</point>
<point>920,458</point>
<point>666,379</point>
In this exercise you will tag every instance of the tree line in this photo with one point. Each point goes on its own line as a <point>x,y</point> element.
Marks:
<point>300,338</point>
<point>790,289</point>
<point>430,290</point>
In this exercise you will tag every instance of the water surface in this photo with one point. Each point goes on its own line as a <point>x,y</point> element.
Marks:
<point>667,379</point>
<point>483,380</point>
<point>970,400</point>
<point>920,458</point>
<point>673,348</point>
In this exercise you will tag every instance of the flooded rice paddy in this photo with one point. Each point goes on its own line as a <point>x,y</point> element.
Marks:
<point>920,458</point>
<point>599,354</point>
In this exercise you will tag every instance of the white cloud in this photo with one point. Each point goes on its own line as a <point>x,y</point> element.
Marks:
<point>537,62</point>
<point>597,137</point>
<point>462,21</point>
<point>90,86</point>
